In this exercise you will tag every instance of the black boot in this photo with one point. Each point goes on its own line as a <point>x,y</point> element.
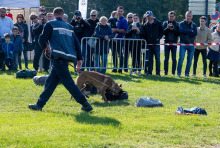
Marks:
<point>34,107</point>
<point>87,107</point>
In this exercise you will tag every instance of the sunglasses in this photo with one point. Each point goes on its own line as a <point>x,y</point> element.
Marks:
<point>20,17</point>
<point>129,17</point>
<point>43,10</point>
<point>93,15</point>
<point>33,18</point>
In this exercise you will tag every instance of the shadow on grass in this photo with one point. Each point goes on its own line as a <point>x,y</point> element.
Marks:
<point>7,72</point>
<point>126,77</point>
<point>86,118</point>
<point>190,80</point>
<point>109,104</point>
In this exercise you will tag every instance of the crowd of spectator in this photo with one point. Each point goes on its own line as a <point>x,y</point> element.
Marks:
<point>14,41</point>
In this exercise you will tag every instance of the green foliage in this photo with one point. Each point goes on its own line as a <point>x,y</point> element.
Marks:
<point>111,124</point>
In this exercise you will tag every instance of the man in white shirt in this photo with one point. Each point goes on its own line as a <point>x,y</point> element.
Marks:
<point>6,23</point>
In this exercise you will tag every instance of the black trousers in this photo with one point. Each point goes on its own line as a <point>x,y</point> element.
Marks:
<point>204,59</point>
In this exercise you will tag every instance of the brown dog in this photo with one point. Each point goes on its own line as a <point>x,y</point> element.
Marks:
<point>100,81</point>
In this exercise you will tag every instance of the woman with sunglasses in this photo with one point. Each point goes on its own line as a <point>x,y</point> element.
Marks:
<point>23,32</point>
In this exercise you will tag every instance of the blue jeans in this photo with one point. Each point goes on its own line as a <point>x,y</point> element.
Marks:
<point>25,59</point>
<point>117,51</point>
<point>60,73</point>
<point>190,52</point>
<point>104,59</point>
<point>167,56</point>
<point>9,63</point>
<point>154,50</point>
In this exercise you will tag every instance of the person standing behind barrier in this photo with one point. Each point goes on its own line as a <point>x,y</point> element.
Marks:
<point>171,33</point>
<point>104,32</point>
<point>93,21</point>
<point>6,26</point>
<point>65,18</point>
<point>113,19</point>
<point>64,48</point>
<point>81,29</point>
<point>144,19</point>
<point>37,30</point>
<point>24,33</point>
<point>203,36</point>
<point>8,47</point>
<point>118,46</point>
<point>214,53</point>
<point>127,46</point>
<point>135,31</point>
<point>188,32</point>
<point>17,40</point>
<point>153,32</point>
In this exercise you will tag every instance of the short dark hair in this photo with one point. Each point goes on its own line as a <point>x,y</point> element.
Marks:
<point>136,15</point>
<point>7,35</point>
<point>15,28</point>
<point>172,12</point>
<point>58,11</point>
<point>120,7</point>
<point>203,17</point>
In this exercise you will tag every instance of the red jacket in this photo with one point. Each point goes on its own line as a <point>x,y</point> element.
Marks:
<point>9,15</point>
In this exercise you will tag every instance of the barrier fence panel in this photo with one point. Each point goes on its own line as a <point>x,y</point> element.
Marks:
<point>124,54</point>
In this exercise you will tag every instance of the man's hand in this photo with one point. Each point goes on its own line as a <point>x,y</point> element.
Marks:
<point>106,37</point>
<point>114,30</point>
<point>23,40</point>
<point>79,64</point>
<point>47,49</point>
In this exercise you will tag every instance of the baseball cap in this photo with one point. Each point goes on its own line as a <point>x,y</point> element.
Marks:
<point>77,13</point>
<point>149,13</point>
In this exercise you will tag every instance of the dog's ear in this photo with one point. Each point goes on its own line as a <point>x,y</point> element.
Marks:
<point>120,85</point>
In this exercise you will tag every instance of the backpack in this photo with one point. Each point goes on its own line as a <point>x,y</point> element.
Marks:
<point>123,95</point>
<point>27,73</point>
<point>148,102</point>
<point>40,80</point>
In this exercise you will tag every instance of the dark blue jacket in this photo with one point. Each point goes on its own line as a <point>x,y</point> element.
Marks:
<point>8,49</point>
<point>133,33</point>
<point>17,42</point>
<point>63,41</point>
<point>188,32</point>
<point>100,32</point>
<point>171,36</point>
<point>23,27</point>
<point>113,21</point>
<point>122,24</point>
<point>152,33</point>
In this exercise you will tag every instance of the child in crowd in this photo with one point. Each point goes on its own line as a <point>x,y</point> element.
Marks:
<point>17,40</point>
<point>113,20</point>
<point>8,47</point>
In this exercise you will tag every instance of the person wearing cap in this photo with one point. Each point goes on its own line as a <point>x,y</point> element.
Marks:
<point>65,18</point>
<point>188,32</point>
<point>153,32</point>
<point>171,33</point>
<point>64,48</point>
<point>81,29</point>
<point>38,51</point>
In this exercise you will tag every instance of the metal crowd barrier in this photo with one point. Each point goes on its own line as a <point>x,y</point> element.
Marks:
<point>122,54</point>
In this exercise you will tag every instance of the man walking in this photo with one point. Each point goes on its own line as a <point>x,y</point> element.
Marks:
<point>64,48</point>
<point>171,32</point>
<point>188,32</point>
<point>203,36</point>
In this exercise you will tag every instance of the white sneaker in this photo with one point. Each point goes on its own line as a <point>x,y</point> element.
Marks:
<point>204,76</point>
<point>134,73</point>
<point>139,73</point>
<point>193,75</point>
<point>173,75</point>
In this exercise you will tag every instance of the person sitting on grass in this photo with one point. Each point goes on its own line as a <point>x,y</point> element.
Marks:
<point>17,40</point>
<point>8,47</point>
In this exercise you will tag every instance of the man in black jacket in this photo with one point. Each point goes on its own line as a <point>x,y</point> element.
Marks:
<point>93,21</point>
<point>37,30</point>
<point>171,32</point>
<point>81,29</point>
<point>153,32</point>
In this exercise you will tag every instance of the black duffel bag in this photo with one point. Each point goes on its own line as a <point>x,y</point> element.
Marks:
<point>27,73</point>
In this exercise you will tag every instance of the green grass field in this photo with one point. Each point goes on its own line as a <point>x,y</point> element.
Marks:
<point>112,124</point>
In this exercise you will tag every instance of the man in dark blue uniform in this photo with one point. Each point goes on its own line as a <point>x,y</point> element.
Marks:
<point>64,48</point>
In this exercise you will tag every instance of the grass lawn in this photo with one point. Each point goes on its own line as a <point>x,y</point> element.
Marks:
<point>112,124</point>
